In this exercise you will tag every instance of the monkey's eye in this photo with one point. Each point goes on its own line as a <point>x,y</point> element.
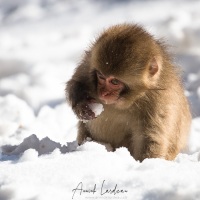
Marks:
<point>115,81</point>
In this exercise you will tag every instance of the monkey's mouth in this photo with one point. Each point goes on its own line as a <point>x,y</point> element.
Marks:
<point>109,99</point>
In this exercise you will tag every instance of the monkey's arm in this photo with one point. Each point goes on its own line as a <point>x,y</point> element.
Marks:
<point>150,144</point>
<point>155,146</point>
<point>83,133</point>
<point>78,93</point>
<point>151,135</point>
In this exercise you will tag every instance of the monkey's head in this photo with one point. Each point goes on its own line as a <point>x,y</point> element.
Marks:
<point>126,62</point>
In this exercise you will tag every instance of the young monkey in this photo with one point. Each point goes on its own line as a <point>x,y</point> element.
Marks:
<point>132,75</point>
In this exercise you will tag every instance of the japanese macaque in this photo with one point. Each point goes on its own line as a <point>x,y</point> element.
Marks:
<point>131,74</point>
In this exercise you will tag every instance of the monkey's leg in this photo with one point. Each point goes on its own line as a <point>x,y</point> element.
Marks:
<point>83,133</point>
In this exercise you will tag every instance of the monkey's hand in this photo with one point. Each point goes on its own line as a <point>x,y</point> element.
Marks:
<point>78,95</point>
<point>83,111</point>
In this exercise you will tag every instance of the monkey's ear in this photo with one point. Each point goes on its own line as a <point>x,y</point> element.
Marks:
<point>154,66</point>
<point>152,72</point>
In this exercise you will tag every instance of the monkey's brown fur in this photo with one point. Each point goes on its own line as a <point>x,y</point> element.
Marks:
<point>152,119</point>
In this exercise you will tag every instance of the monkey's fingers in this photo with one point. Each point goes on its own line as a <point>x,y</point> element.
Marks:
<point>86,113</point>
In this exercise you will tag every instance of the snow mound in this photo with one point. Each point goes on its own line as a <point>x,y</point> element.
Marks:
<point>97,108</point>
<point>29,155</point>
<point>15,110</point>
<point>58,123</point>
<point>194,144</point>
<point>15,116</point>
<point>32,144</point>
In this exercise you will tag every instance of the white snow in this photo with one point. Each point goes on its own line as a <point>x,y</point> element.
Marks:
<point>97,108</point>
<point>41,43</point>
<point>28,155</point>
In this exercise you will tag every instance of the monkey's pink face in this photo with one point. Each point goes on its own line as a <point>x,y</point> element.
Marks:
<point>109,88</point>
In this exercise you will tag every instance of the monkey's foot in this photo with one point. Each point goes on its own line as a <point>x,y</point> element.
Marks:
<point>88,139</point>
<point>83,141</point>
<point>108,146</point>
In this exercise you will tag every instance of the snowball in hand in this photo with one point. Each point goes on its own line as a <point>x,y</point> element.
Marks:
<point>97,108</point>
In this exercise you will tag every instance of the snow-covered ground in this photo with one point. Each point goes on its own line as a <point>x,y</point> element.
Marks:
<point>41,42</point>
